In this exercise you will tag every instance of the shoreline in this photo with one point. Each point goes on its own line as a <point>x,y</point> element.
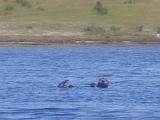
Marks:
<point>77,40</point>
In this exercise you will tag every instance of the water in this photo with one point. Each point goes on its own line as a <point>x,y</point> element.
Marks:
<point>29,76</point>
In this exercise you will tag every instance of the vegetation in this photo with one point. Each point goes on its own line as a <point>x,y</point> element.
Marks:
<point>100,9</point>
<point>139,28</point>
<point>130,1</point>
<point>8,7</point>
<point>29,27</point>
<point>114,28</point>
<point>24,3</point>
<point>158,30</point>
<point>108,16</point>
<point>94,29</point>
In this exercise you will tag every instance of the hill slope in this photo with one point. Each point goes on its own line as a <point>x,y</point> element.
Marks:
<point>53,16</point>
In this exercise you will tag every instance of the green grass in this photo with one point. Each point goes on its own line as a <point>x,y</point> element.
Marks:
<point>45,16</point>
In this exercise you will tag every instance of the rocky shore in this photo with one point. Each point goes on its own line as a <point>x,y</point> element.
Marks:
<point>56,39</point>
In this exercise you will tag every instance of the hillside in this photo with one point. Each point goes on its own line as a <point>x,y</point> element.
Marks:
<point>49,17</point>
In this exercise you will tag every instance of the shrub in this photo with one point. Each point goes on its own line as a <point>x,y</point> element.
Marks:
<point>158,30</point>
<point>94,29</point>
<point>130,2</point>
<point>8,7</point>
<point>19,1</point>
<point>24,3</point>
<point>139,28</point>
<point>40,8</point>
<point>100,9</point>
<point>29,27</point>
<point>114,28</point>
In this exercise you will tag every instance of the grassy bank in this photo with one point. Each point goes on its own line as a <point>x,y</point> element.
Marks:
<point>52,17</point>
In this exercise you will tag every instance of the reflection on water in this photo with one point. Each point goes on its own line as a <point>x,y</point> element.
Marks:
<point>29,76</point>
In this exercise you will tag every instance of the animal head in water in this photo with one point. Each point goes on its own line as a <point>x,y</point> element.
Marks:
<point>103,83</point>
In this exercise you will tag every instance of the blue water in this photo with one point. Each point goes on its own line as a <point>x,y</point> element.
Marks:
<point>29,76</point>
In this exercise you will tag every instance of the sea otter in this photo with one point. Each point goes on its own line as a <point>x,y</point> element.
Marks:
<point>102,83</point>
<point>63,84</point>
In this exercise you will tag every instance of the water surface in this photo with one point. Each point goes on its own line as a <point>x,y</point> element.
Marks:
<point>29,76</point>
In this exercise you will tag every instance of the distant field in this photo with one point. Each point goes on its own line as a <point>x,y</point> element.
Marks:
<point>74,16</point>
